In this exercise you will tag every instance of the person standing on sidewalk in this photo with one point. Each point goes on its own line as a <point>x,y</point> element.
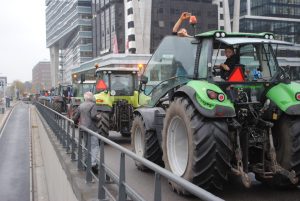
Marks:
<point>88,117</point>
<point>7,101</point>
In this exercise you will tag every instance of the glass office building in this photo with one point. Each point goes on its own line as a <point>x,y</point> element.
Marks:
<point>68,36</point>
<point>282,17</point>
<point>138,26</point>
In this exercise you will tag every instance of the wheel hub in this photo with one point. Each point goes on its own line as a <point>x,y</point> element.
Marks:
<point>177,146</point>
<point>138,142</point>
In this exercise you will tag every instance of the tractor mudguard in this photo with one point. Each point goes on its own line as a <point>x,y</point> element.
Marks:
<point>284,96</point>
<point>149,116</point>
<point>218,111</point>
<point>103,108</point>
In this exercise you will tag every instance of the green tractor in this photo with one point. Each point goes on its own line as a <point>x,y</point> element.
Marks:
<point>78,90</point>
<point>61,97</point>
<point>116,98</point>
<point>203,128</point>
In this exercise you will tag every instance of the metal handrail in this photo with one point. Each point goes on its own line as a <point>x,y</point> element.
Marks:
<point>65,135</point>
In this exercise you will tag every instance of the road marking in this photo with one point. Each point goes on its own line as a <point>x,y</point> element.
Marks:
<point>7,119</point>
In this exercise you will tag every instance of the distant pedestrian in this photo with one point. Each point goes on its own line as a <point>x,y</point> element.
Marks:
<point>7,101</point>
<point>87,114</point>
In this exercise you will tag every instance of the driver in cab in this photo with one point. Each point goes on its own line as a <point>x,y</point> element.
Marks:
<point>228,66</point>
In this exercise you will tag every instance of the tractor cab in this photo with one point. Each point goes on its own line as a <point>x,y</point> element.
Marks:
<point>119,81</point>
<point>116,98</point>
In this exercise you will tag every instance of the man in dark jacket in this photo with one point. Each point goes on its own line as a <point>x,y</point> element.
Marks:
<point>231,61</point>
<point>88,115</point>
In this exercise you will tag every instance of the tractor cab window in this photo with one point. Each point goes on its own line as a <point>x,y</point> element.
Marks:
<point>122,84</point>
<point>256,60</point>
<point>170,66</point>
<point>85,87</point>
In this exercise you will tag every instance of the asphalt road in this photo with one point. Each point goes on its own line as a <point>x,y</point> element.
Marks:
<point>14,156</point>
<point>143,182</point>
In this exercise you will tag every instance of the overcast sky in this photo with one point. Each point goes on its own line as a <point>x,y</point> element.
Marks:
<point>22,38</point>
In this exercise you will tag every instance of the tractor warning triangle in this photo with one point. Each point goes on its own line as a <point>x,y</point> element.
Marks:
<point>237,75</point>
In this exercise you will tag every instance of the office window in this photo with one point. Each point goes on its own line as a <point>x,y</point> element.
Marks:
<point>129,11</point>
<point>130,24</point>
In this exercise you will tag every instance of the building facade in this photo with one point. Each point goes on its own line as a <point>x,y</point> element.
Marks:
<point>108,27</point>
<point>41,76</point>
<point>138,26</point>
<point>282,17</point>
<point>68,35</point>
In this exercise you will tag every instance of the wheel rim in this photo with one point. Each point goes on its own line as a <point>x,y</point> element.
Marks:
<point>177,146</point>
<point>138,142</point>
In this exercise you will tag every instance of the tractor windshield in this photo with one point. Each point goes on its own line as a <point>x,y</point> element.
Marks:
<point>85,87</point>
<point>170,66</point>
<point>256,59</point>
<point>123,84</point>
<point>289,59</point>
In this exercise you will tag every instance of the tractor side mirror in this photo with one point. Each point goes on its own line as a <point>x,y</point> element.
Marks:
<point>82,78</point>
<point>143,82</point>
<point>144,79</point>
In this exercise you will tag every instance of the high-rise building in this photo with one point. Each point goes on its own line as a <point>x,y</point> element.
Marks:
<point>68,35</point>
<point>220,5</point>
<point>108,27</point>
<point>137,26</point>
<point>282,17</point>
<point>41,76</point>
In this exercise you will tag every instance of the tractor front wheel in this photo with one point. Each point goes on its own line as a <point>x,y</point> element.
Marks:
<point>195,148</point>
<point>145,143</point>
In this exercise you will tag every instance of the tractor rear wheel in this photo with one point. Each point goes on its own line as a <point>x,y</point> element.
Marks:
<point>195,148</point>
<point>287,145</point>
<point>103,124</point>
<point>145,143</point>
<point>57,106</point>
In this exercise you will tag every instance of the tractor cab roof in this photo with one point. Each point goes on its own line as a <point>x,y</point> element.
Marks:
<point>118,69</point>
<point>239,41</point>
<point>222,34</point>
<point>242,38</point>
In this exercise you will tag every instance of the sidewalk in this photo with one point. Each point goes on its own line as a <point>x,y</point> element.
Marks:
<point>4,116</point>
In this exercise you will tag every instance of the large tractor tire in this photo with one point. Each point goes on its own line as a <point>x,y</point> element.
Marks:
<point>57,106</point>
<point>195,148</point>
<point>103,124</point>
<point>145,143</point>
<point>287,145</point>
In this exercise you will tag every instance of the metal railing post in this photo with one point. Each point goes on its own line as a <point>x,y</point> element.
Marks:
<point>68,136</point>
<point>60,131</point>
<point>73,143</point>
<point>88,177</point>
<point>63,133</point>
<point>101,173</point>
<point>157,187</point>
<point>80,165</point>
<point>122,190</point>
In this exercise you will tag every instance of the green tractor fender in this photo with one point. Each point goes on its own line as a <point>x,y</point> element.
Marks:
<point>285,97</point>
<point>150,115</point>
<point>211,108</point>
